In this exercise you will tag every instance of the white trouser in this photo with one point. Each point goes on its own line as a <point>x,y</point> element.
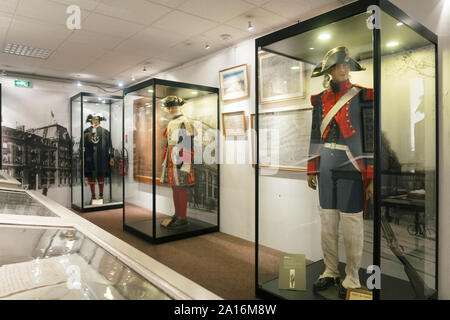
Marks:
<point>330,237</point>
<point>353,232</point>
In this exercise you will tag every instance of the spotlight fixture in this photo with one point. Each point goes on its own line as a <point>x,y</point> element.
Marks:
<point>207,46</point>
<point>392,44</point>
<point>311,48</point>
<point>120,84</point>
<point>324,36</point>
<point>399,24</point>
<point>79,84</point>
<point>145,69</point>
<point>133,78</point>
<point>250,26</point>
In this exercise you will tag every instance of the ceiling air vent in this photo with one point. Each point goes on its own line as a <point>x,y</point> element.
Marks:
<point>27,51</point>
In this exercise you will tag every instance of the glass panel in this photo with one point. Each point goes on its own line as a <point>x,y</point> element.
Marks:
<point>138,150</point>
<point>63,264</point>
<point>408,202</point>
<point>77,179</point>
<point>20,203</point>
<point>102,140</point>
<point>316,161</point>
<point>187,170</point>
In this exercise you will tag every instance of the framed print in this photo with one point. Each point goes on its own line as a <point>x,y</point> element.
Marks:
<point>234,83</point>
<point>281,78</point>
<point>285,136</point>
<point>234,123</point>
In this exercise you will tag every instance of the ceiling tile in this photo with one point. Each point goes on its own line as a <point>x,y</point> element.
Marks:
<point>5,21</point>
<point>92,39</point>
<point>191,49</point>
<point>36,33</point>
<point>110,26</point>
<point>216,33</point>
<point>19,63</point>
<point>139,11</point>
<point>155,66</point>
<point>169,3</point>
<point>261,19</point>
<point>8,6</point>
<point>75,49</point>
<point>83,4</point>
<point>70,63</point>
<point>44,10</point>
<point>296,9</point>
<point>183,23</point>
<point>113,63</point>
<point>217,10</point>
<point>257,2</point>
<point>150,41</point>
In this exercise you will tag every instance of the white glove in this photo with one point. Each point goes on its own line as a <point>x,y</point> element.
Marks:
<point>186,167</point>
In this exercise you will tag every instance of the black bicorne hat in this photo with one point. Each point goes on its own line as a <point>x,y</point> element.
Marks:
<point>338,55</point>
<point>98,116</point>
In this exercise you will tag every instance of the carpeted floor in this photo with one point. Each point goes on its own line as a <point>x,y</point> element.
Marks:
<point>219,262</point>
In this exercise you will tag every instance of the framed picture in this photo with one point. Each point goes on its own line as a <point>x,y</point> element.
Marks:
<point>281,78</point>
<point>234,83</point>
<point>234,123</point>
<point>284,139</point>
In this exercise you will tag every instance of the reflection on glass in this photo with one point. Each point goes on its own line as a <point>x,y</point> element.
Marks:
<point>63,264</point>
<point>20,203</point>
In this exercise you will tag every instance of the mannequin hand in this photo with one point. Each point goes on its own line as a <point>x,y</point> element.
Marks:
<point>111,162</point>
<point>369,191</point>
<point>312,181</point>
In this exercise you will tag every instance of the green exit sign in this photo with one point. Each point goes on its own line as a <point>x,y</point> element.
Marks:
<point>22,84</point>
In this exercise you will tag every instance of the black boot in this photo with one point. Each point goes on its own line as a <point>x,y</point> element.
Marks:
<point>177,223</point>
<point>324,283</point>
<point>342,292</point>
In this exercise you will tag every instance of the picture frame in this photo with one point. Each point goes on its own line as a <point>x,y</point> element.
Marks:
<point>280,78</point>
<point>298,138</point>
<point>234,83</point>
<point>234,123</point>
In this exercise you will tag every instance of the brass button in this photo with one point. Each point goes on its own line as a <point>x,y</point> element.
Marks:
<point>354,131</point>
<point>346,115</point>
<point>348,121</point>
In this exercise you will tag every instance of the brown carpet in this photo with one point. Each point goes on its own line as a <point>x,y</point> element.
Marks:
<point>221,263</point>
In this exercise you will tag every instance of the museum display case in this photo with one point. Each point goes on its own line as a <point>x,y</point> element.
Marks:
<point>171,132</point>
<point>346,157</point>
<point>61,256</point>
<point>97,161</point>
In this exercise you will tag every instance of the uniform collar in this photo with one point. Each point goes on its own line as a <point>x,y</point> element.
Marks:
<point>340,86</point>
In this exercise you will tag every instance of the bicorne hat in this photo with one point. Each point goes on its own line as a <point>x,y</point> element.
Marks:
<point>98,116</point>
<point>338,55</point>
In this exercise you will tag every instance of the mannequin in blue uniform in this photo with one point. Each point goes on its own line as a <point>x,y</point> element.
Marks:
<point>336,146</point>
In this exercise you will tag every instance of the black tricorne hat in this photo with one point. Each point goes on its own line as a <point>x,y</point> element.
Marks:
<point>338,55</point>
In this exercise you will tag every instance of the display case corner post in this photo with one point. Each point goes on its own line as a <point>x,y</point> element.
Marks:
<point>153,83</point>
<point>123,155</point>
<point>256,166</point>
<point>437,108</point>
<point>1,121</point>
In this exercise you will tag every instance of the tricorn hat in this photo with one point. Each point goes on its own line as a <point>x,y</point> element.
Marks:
<point>338,55</point>
<point>98,116</point>
<point>172,101</point>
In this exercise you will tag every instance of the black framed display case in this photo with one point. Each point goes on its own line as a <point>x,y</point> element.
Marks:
<point>381,132</point>
<point>97,161</point>
<point>171,132</point>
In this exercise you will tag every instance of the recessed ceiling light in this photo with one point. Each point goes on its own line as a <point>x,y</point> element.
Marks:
<point>295,68</point>
<point>324,36</point>
<point>133,78</point>
<point>311,48</point>
<point>27,51</point>
<point>392,44</point>
<point>399,24</point>
<point>104,101</point>
<point>120,84</point>
<point>79,84</point>
<point>99,99</point>
<point>194,92</point>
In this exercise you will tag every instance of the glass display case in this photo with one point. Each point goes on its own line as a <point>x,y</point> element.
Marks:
<point>97,161</point>
<point>171,138</point>
<point>39,263</point>
<point>346,157</point>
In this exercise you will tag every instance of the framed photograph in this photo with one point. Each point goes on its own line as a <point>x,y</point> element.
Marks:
<point>281,78</point>
<point>234,123</point>
<point>234,83</point>
<point>284,139</point>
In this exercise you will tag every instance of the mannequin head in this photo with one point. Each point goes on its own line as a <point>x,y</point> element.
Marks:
<point>173,110</point>
<point>95,122</point>
<point>340,72</point>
